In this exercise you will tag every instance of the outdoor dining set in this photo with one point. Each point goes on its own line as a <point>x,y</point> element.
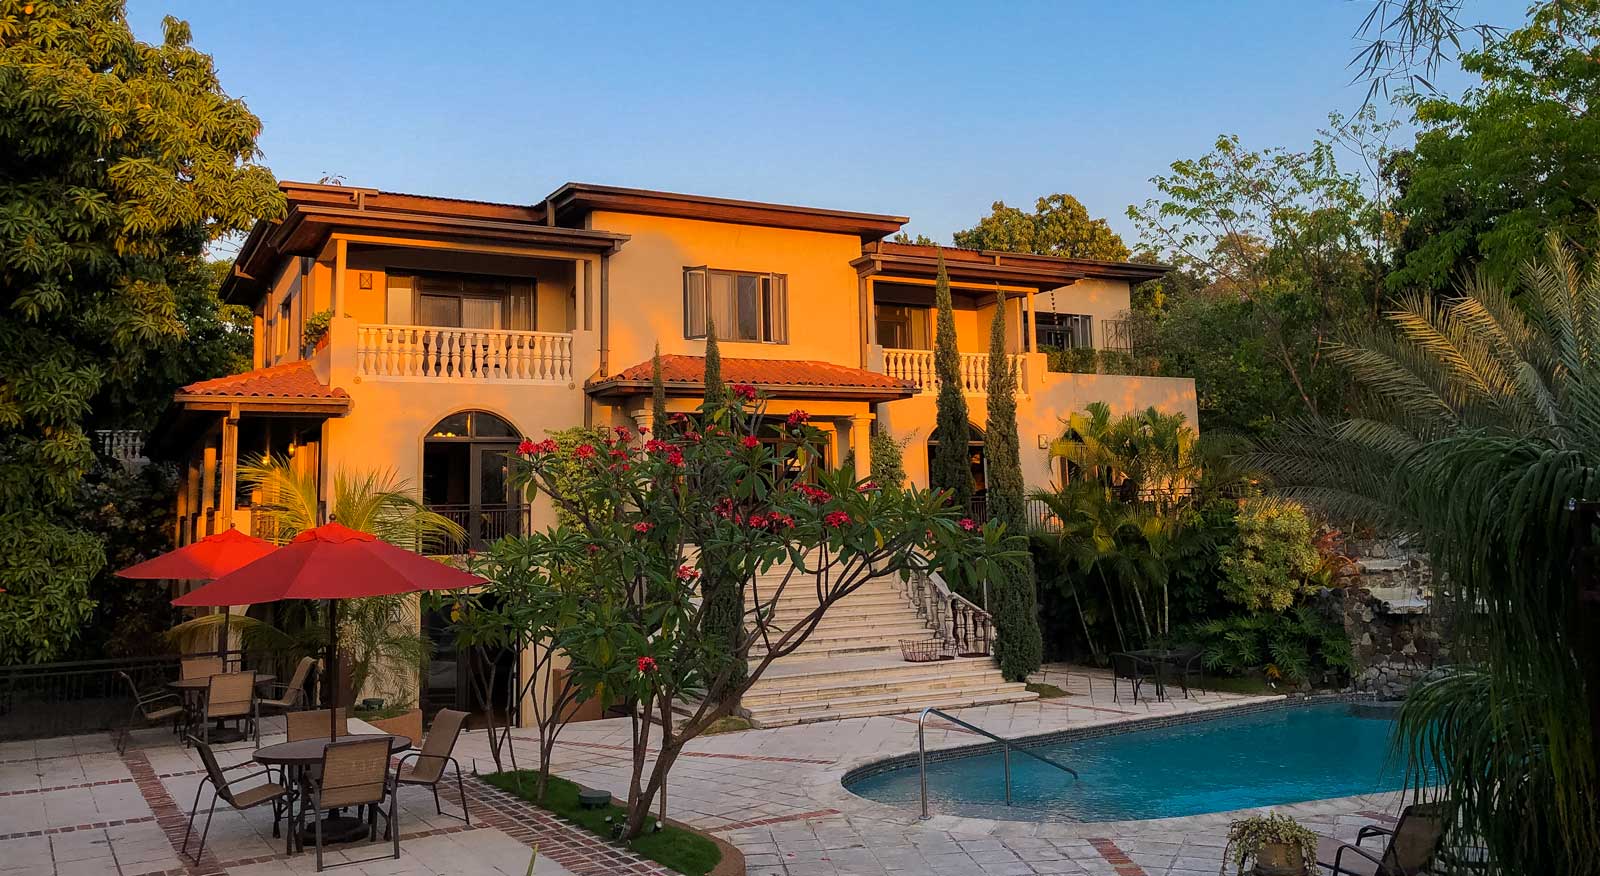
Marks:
<point>329,763</point>
<point>1157,667</point>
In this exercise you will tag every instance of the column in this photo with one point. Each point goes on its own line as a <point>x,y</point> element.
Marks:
<point>861,443</point>
<point>644,419</point>
<point>1033,326</point>
<point>229,464</point>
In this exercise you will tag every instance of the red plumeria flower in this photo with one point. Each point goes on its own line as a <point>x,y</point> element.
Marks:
<point>643,527</point>
<point>655,445</point>
<point>548,445</point>
<point>817,495</point>
<point>785,519</point>
<point>867,487</point>
<point>837,518</point>
<point>593,549</point>
<point>527,447</point>
<point>744,391</point>
<point>724,507</point>
<point>585,451</point>
<point>646,664</point>
<point>751,442</point>
<point>686,573</point>
<point>619,453</point>
<point>675,457</point>
<point>797,418</point>
<point>624,433</point>
<point>757,520</point>
<point>968,524</point>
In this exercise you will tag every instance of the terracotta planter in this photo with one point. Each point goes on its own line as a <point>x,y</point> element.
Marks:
<point>1280,859</point>
<point>408,725</point>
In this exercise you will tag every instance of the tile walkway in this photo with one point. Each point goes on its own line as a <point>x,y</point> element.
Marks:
<point>72,806</point>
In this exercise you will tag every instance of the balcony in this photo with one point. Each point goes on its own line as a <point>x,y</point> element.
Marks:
<point>917,367</point>
<point>460,355</point>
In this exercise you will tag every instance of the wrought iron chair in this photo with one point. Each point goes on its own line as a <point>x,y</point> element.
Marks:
<point>1412,845</point>
<point>355,772</point>
<point>145,708</point>
<point>222,788</point>
<point>436,751</point>
<point>1186,665</point>
<point>1135,670</point>
<point>231,695</point>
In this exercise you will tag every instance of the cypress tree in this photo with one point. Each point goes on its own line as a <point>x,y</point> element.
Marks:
<point>658,394</point>
<point>951,469</point>
<point>715,390</point>
<point>1019,647</point>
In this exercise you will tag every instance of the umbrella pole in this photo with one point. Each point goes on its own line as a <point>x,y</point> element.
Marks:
<point>333,670</point>
<point>222,637</point>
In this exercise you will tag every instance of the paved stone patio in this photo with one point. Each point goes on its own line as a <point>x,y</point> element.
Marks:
<point>72,806</point>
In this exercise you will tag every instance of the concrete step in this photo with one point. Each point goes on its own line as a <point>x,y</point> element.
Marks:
<point>902,626</point>
<point>865,709</point>
<point>851,614</point>
<point>803,689</point>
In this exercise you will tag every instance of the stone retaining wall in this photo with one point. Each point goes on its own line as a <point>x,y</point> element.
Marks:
<point>1395,629</point>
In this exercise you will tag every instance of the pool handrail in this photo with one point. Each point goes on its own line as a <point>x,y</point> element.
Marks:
<point>1005,746</point>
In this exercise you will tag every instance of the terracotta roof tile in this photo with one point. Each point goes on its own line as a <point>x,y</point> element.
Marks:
<point>289,380</point>
<point>764,372</point>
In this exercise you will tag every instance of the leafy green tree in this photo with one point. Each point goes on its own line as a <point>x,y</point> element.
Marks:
<point>888,460</point>
<point>950,469</point>
<point>1058,226</point>
<point>123,159</point>
<point>715,388</point>
<point>1018,647</point>
<point>919,240</point>
<point>1288,234</point>
<point>1515,158</point>
<point>1477,427</point>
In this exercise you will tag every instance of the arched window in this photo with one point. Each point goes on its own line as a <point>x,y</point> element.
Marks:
<point>464,476</point>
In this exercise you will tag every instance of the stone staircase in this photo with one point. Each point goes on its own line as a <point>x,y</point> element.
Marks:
<point>851,665</point>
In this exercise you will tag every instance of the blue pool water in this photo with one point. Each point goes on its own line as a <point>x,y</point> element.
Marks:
<point>1264,758</point>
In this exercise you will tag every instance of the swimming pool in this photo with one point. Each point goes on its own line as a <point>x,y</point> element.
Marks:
<point>1259,758</point>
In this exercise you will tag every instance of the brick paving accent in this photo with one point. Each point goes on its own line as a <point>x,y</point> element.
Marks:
<point>776,819</point>
<point>73,828</point>
<point>1116,857</point>
<point>20,792</point>
<point>754,758</point>
<point>568,845</point>
<point>167,814</point>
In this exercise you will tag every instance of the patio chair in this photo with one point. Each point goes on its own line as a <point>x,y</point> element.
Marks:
<point>437,750</point>
<point>1135,670</point>
<point>292,695</point>
<point>231,695</point>
<point>355,772</point>
<point>1410,850</point>
<point>200,667</point>
<point>313,724</point>
<point>147,707</point>
<point>1187,664</point>
<point>222,788</point>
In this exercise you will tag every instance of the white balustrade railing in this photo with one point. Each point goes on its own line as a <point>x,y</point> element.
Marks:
<point>423,352</point>
<point>916,366</point>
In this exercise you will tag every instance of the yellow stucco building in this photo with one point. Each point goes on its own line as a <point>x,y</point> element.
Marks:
<point>457,327</point>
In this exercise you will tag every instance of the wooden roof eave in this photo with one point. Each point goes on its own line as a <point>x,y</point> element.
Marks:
<point>324,407</point>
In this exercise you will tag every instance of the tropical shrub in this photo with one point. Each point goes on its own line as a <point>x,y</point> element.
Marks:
<point>1267,566</point>
<point>1299,646</point>
<point>888,460</point>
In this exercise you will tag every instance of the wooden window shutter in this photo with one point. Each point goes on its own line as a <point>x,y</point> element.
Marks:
<point>694,302</point>
<point>778,310</point>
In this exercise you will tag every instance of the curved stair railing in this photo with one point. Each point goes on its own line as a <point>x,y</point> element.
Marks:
<point>965,628</point>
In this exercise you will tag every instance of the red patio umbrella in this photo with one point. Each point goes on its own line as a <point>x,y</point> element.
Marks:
<point>330,562</point>
<point>210,557</point>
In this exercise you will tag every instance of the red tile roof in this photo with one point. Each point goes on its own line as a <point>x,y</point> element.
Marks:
<point>690,371</point>
<point>289,380</point>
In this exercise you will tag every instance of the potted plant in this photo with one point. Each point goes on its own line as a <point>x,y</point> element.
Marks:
<point>402,719</point>
<point>1275,844</point>
<point>316,330</point>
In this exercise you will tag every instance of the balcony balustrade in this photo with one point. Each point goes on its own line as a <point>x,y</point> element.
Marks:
<point>417,352</point>
<point>917,367</point>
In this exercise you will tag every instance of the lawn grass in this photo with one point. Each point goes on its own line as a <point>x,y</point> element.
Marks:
<point>682,850</point>
<point>1246,684</point>
<point>1045,691</point>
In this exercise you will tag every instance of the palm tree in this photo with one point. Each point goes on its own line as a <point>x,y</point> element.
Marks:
<point>377,631</point>
<point>1480,421</point>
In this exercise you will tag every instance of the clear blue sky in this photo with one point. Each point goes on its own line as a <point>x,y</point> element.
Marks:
<point>931,110</point>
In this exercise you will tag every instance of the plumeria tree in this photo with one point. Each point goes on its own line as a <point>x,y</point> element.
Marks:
<point>731,487</point>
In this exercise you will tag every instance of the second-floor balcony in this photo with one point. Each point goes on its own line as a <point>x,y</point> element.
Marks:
<point>419,352</point>
<point>917,366</point>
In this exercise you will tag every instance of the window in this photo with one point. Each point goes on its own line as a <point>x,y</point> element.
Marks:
<point>1065,331</point>
<point>280,330</point>
<point>903,327</point>
<point>743,306</point>
<point>460,301</point>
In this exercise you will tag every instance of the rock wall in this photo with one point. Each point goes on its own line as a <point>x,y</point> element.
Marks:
<point>1396,630</point>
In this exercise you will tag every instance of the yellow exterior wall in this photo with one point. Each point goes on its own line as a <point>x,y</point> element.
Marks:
<point>1101,299</point>
<point>646,286</point>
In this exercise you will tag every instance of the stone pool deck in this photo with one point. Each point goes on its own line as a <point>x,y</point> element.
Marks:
<point>72,806</point>
<point>776,794</point>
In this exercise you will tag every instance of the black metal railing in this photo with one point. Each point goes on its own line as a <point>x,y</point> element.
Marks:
<point>88,696</point>
<point>484,524</point>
